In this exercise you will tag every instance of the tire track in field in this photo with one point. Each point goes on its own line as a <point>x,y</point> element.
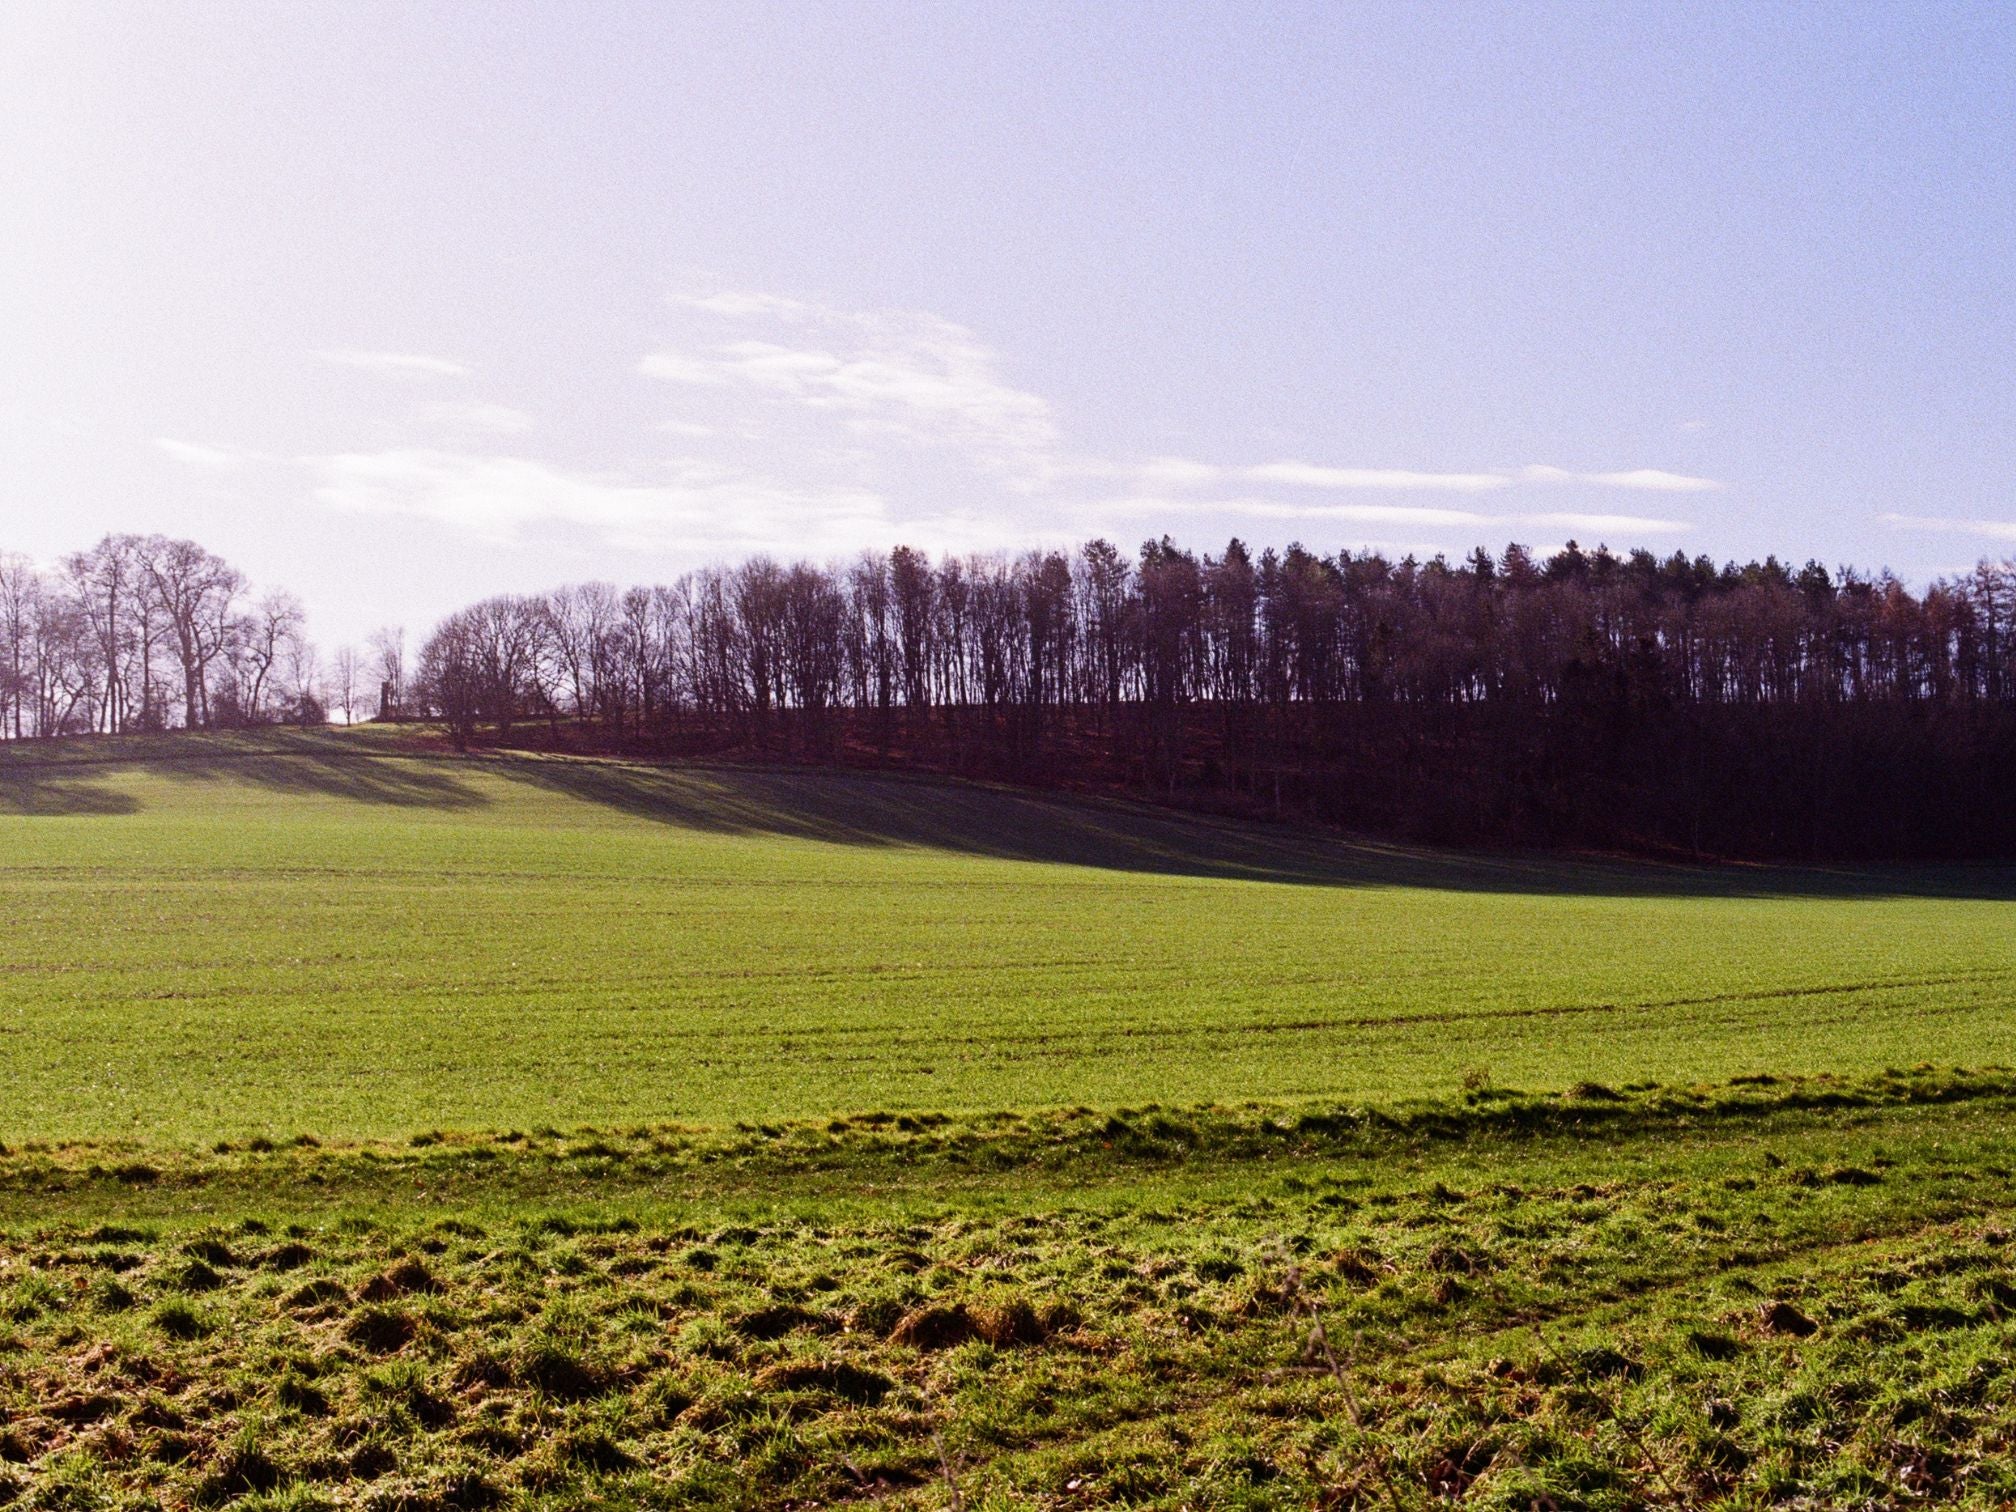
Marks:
<point>1077,1036</point>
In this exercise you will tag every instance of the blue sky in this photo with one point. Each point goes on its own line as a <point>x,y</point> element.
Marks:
<point>399,304</point>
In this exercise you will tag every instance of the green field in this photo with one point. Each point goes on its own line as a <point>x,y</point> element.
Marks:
<point>413,1133</point>
<point>216,942</point>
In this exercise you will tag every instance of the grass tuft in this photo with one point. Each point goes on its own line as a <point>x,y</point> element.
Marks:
<point>178,1318</point>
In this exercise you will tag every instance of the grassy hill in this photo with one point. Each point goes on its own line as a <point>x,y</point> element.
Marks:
<point>291,934</point>
<point>396,1131</point>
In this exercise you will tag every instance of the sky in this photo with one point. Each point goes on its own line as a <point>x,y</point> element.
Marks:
<point>399,305</point>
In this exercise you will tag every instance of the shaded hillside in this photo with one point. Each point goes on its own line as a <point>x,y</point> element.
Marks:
<point>1822,785</point>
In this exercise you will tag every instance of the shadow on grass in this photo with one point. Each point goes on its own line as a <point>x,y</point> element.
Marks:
<point>876,809</point>
<point>43,795</point>
<point>66,777</point>
<point>358,776</point>
<point>873,809</point>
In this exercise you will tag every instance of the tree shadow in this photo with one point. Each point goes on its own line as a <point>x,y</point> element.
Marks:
<point>891,810</point>
<point>69,776</point>
<point>386,779</point>
<point>42,795</point>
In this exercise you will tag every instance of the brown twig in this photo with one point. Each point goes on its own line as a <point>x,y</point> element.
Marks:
<point>1320,1337</point>
<point>945,1469</point>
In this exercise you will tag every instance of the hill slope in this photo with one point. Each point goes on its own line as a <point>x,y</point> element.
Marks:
<point>223,937</point>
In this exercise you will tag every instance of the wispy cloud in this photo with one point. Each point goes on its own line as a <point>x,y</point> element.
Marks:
<point>1310,475</point>
<point>394,364</point>
<point>1249,508</point>
<point>1418,516</point>
<point>1159,472</point>
<point>1603,524</point>
<point>1652,479</point>
<point>1182,472</point>
<point>497,419</point>
<point>688,507</point>
<point>899,372</point>
<point>508,499</point>
<point>818,430</point>
<point>212,458</point>
<point>1994,530</point>
<point>681,367</point>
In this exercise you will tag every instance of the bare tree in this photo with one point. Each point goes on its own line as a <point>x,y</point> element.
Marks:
<point>20,591</point>
<point>388,665</point>
<point>197,593</point>
<point>580,641</point>
<point>451,675</point>
<point>104,580</point>
<point>510,634</point>
<point>343,673</point>
<point>269,638</point>
<point>301,667</point>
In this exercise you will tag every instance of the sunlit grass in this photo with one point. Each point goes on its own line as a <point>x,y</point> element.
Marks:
<point>203,940</point>
<point>1798,1292</point>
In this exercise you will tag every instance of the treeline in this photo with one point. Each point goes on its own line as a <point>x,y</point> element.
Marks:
<point>145,633</point>
<point>1664,704</point>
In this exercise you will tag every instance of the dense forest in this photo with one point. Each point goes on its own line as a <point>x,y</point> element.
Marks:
<point>1666,705</point>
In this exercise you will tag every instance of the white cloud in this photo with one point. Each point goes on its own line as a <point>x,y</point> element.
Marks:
<point>1649,478</point>
<point>1248,508</point>
<point>1420,517</point>
<point>1654,479</point>
<point>677,367</point>
<point>1600,524</point>
<point>1994,530</point>
<point>1181,472</point>
<point>395,364</point>
<point>818,431</point>
<point>1309,475</point>
<point>214,458</point>
<point>907,374</point>
<point>698,507</point>
<point>912,377</point>
<point>692,510</point>
<point>498,419</point>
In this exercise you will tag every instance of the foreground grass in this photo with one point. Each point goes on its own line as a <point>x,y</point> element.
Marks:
<point>1786,1291</point>
<point>226,938</point>
<point>423,1133</point>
